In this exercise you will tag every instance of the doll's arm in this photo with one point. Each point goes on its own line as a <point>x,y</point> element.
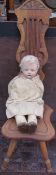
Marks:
<point>40,86</point>
<point>11,85</point>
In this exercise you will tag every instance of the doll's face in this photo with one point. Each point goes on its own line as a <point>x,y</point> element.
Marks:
<point>29,69</point>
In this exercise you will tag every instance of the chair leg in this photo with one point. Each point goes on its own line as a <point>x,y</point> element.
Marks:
<point>10,150</point>
<point>45,156</point>
<point>35,152</point>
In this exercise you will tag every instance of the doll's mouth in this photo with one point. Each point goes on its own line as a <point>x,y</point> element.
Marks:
<point>29,76</point>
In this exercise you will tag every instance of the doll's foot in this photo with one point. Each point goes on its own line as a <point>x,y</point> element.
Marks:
<point>31,127</point>
<point>32,123</point>
<point>23,127</point>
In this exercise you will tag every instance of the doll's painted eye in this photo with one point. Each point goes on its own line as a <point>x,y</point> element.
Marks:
<point>26,69</point>
<point>32,70</point>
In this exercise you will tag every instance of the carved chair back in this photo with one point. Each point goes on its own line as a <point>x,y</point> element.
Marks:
<point>32,22</point>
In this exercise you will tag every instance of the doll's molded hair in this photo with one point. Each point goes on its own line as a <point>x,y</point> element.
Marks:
<point>30,58</point>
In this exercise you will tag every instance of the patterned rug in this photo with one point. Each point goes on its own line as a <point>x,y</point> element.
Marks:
<point>27,157</point>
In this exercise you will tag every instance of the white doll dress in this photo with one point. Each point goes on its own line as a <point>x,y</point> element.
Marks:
<point>25,97</point>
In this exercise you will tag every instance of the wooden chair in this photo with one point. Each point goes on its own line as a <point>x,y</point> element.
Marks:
<point>33,19</point>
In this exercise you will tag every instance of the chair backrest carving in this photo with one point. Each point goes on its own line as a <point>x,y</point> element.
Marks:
<point>32,22</point>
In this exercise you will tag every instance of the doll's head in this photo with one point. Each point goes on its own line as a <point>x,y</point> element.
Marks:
<point>29,66</point>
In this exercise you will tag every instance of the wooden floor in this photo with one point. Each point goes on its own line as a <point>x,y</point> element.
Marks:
<point>23,160</point>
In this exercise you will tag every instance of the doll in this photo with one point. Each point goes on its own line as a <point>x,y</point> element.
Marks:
<point>26,94</point>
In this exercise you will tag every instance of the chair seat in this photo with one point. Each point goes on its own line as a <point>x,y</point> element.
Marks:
<point>44,131</point>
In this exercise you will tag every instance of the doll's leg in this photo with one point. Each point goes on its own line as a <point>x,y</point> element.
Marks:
<point>20,120</point>
<point>32,119</point>
<point>21,123</point>
<point>32,123</point>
